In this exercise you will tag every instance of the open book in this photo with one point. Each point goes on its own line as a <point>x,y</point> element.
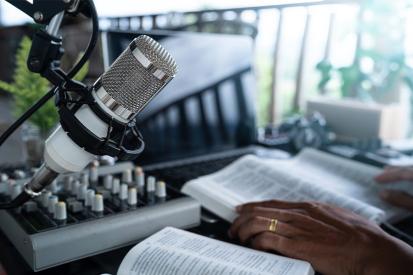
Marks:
<point>174,251</point>
<point>312,175</point>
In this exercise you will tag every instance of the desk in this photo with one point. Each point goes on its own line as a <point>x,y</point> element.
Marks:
<point>108,262</point>
<point>14,264</point>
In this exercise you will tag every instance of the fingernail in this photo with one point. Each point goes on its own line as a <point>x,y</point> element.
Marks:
<point>238,208</point>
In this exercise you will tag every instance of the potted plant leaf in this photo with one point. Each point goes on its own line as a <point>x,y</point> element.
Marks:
<point>379,73</point>
<point>26,88</point>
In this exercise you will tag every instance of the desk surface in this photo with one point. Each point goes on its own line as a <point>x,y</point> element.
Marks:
<point>14,264</point>
<point>109,262</point>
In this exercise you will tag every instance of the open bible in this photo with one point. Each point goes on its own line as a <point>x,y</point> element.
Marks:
<point>174,251</point>
<point>310,176</point>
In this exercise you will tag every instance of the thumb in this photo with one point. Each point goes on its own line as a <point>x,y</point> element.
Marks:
<point>398,198</point>
<point>395,174</point>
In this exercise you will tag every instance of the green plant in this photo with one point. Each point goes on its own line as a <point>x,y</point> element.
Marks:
<point>379,65</point>
<point>28,87</point>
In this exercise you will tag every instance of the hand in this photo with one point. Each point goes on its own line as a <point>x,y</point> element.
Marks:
<point>333,240</point>
<point>397,198</point>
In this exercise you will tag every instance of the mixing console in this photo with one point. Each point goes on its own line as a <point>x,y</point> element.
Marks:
<point>79,215</point>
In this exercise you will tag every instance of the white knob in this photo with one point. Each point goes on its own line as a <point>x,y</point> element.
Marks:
<point>136,172</point>
<point>90,196</point>
<point>60,212</point>
<point>45,198</point>
<point>132,197</point>
<point>127,176</point>
<point>140,180</point>
<point>3,177</point>
<point>98,203</point>
<point>107,182</point>
<point>10,187</point>
<point>68,183</point>
<point>95,163</point>
<point>85,178</point>
<point>123,194</point>
<point>53,187</point>
<point>52,204</point>
<point>115,186</point>
<point>81,192</point>
<point>93,172</point>
<point>19,174</point>
<point>160,189</point>
<point>75,187</point>
<point>150,184</point>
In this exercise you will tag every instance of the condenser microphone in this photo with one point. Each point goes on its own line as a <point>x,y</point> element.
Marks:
<point>102,122</point>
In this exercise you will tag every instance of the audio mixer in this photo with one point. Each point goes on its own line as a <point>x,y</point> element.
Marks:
<point>84,214</point>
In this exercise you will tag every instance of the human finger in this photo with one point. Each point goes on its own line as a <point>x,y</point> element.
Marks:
<point>258,211</point>
<point>323,214</point>
<point>398,198</point>
<point>257,225</point>
<point>268,241</point>
<point>395,174</point>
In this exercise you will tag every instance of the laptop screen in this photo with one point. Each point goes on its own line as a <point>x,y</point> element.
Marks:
<point>208,106</point>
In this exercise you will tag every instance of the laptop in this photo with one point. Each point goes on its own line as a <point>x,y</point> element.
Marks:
<point>204,118</point>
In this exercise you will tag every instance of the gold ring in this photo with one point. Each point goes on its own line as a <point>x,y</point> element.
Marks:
<point>273,225</point>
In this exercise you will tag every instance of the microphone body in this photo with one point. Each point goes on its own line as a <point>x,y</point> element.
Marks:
<point>62,154</point>
<point>138,74</point>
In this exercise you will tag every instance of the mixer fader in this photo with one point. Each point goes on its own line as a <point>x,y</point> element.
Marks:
<point>83,214</point>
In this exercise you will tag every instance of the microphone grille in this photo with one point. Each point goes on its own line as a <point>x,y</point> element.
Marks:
<point>139,73</point>
<point>157,54</point>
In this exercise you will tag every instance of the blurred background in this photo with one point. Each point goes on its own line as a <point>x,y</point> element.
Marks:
<point>308,56</point>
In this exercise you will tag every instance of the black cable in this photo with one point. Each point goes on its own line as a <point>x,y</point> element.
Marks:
<point>18,201</point>
<point>73,71</point>
<point>26,115</point>
<point>92,42</point>
<point>76,68</point>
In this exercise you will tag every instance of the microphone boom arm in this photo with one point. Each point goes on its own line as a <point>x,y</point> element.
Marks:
<point>42,11</point>
<point>48,66</point>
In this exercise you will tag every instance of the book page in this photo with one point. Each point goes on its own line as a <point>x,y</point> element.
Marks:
<point>174,251</point>
<point>346,177</point>
<point>253,179</point>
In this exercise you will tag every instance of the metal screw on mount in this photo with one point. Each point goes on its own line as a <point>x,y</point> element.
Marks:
<point>38,16</point>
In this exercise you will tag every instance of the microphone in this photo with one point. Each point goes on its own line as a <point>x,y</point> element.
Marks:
<point>102,122</point>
